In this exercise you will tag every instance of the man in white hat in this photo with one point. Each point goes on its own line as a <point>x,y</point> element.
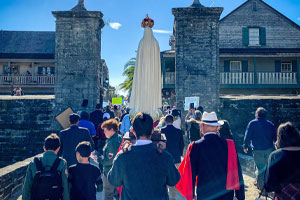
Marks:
<point>209,160</point>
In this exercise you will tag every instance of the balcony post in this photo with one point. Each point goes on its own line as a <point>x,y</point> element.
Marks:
<point>298,71</point>
<point>163,64</point>
<point>255,74</point>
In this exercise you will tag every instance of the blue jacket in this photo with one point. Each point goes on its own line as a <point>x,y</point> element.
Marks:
<point>89,125</point>
<point>175,142</point>
<point>125,126</point>
<point>261,133</point>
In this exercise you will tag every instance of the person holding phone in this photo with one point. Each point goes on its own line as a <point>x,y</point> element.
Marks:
<point>191,112</point>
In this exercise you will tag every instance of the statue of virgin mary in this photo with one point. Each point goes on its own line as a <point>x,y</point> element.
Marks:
<point>146,85</point>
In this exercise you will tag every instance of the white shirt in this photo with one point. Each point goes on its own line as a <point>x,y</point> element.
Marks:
<point>177,123</point>
<point>142,142</point>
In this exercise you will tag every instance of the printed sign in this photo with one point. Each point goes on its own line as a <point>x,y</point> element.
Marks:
<point>189,100</point>
<point>117,101</point>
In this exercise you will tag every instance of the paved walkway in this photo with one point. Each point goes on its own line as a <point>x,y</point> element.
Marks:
<point>251,191</point>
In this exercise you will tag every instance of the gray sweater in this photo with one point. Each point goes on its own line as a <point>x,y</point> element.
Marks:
<point>144,173</point>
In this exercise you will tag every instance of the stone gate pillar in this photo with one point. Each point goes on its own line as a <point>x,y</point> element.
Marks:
<point>196,31</point>
<point>78,57</point>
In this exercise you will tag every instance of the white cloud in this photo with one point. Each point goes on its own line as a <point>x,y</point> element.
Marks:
<point>115,25</point>
<point>298,18</point>
<point>162,31</point>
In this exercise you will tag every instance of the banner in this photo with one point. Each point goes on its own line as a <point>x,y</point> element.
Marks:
<point>117,101</point>
<point>189,100</point>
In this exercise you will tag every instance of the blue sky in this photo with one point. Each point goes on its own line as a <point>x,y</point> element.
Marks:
<point>120,40</point>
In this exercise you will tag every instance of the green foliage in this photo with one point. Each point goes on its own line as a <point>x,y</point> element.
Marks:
<point>129,73</point>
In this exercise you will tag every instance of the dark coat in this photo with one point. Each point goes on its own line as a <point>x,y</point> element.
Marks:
<point>175,142</point>
<point>209,160</point>
<point>96,117</point>
<point>69,139</point>
<point>144,173</point>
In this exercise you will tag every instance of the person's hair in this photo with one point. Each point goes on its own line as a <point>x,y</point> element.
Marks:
<point>84,148</point>
<point>115,107</point>
<point>225,131</point>
<point>52,142</point>
<point>142,124</point>
<point>287,135</point>
<point>168,107</point>
<point>128,109</point>
<point>74,118</point>
<point>110,124</point>
<point>98,106</point>
<point>261,112</point>
<point>85,103</point>
<point>200,108</point>
<point>84,115</point>
<point>198,115</point>
<point>169,118</point>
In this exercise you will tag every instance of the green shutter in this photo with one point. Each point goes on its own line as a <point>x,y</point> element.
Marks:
<point>294,66</point>
<point>277,66</point>
<point>262,36</point>
<point>245,66</point>
<point>40,70</point>
<point>226,66</point>
<point>245,36</point>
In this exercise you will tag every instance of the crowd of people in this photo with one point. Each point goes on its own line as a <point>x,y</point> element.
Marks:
<point>138,158</point>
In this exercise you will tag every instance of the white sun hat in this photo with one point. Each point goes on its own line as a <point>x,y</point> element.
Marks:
<point>211,119</point>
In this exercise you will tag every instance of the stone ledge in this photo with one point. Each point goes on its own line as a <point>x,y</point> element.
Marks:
<point>12,178</point>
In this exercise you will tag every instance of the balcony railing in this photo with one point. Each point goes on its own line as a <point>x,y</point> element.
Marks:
<point>262,78</point>
<point>236,78</point>
<point>169,78</point>
<point>27,80</point>
<point>276,78</point>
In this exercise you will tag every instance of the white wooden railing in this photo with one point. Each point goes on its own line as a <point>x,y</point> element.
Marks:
<point>169,77</point>
<point>27,80</point>
<point>277,78</point>
<point>236,78</point>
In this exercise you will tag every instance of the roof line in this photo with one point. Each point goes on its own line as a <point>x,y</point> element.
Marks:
<point>276,11</point>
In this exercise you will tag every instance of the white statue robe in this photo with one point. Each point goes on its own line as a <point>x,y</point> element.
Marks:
<point>146,86</point>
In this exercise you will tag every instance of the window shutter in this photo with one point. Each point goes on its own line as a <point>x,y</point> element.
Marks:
<point>245,66</point>
<point>226,66</point>
<point>277,66</point>
<point>262,36</point>
<point>52,70</point>
<point>245,36</point>
<point>40,70</point>
<point>294,66</point>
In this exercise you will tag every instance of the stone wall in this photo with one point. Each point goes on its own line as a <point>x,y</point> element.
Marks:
<point>24,123</point>
<point>196,31</point>
<point>238,111</point>
<point>12,179</point>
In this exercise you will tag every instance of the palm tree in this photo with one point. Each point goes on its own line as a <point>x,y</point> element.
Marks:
<point>128,72</point>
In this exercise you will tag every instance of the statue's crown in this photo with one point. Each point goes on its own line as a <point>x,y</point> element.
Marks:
<point>147,22</point>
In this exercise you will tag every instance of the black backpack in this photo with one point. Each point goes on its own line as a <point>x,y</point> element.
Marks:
<point>47,185</point>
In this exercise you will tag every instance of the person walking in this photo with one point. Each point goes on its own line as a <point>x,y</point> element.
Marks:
<point>143,171</point>
<point>71,137</point>
<point>283,172</point>
<point>213,162</point>
<point>261,134</point>
<point>174,146</point>
<point>110,150</point>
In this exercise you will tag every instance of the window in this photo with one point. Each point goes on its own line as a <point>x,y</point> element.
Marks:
<point>45,70</point>
<point>253,36</point>
<point>12,70</point>
<point>235,66</point>
<point>286,67</point>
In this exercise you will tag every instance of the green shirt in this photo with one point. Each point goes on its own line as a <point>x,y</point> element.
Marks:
<point>47,160</point>
<point>110,151</point>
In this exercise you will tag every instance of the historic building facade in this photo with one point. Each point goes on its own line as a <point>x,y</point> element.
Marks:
<point>259,51</point>
<point>27,60</point>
